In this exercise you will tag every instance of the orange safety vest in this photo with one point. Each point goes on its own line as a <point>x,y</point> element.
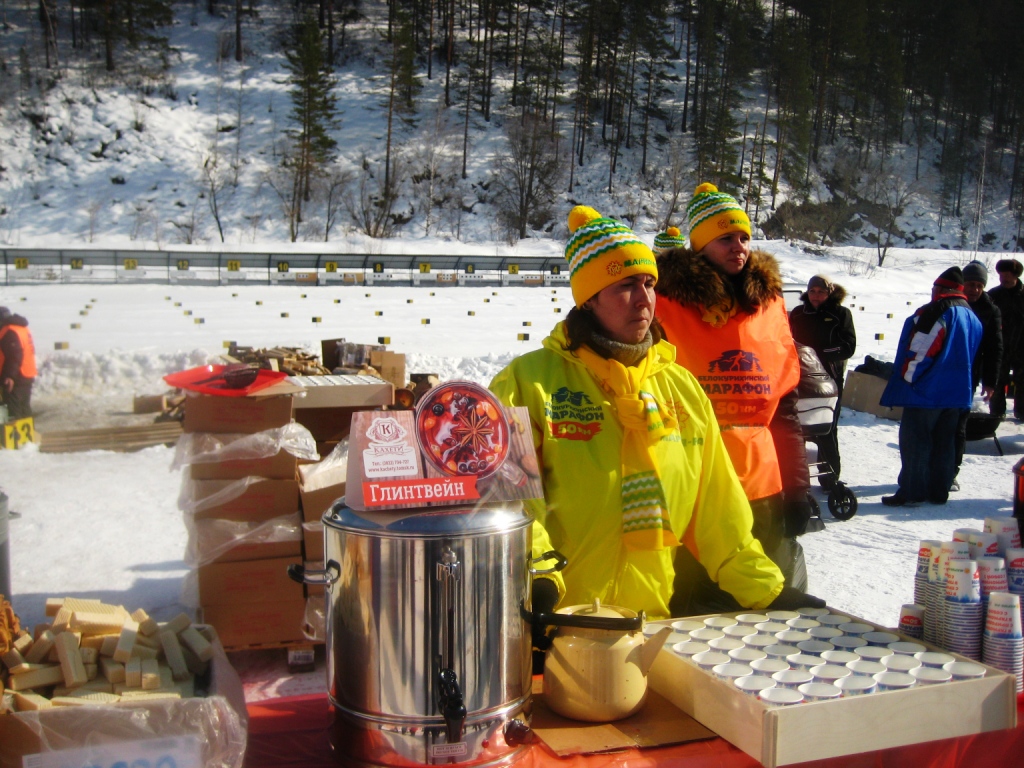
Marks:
<point>745,367</point>
<point>28,358</point>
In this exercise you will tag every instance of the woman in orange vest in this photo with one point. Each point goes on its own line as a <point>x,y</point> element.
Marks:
<point>17,365</point>
<point>721,304</point>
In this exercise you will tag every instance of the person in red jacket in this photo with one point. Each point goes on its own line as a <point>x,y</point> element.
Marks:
<point>720,302</point>
<point>17,365</point>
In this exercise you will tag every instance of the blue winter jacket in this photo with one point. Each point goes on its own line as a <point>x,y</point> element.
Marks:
<point>933,361</point>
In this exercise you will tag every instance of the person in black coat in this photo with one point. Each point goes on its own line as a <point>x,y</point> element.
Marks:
<point>826,326</point>
<point>988,360</point>
<point>1008,296</point>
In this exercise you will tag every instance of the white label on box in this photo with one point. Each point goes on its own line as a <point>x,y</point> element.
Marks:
<point>177,752</point>
<point>389,454</point>
<point>449,750</point>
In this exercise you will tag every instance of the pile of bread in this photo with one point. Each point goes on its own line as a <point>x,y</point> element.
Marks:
<point>94,653</point>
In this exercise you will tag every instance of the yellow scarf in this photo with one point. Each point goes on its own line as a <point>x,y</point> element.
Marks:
<point>645,520</point>
<point>718,314</point>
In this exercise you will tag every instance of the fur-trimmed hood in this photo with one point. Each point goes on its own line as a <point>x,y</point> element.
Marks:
<point>836,297</point>
<point>688,278</point>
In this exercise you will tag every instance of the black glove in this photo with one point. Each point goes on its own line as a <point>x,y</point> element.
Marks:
<point>789,599</point>
<point>796,514</point>
<point>543,599</point>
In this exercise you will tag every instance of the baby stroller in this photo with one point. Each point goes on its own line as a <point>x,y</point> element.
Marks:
<point>819,398</point>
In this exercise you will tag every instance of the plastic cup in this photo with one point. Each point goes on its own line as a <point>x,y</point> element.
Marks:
<point>983,544</point>
<point>781,615</point>
<point>880,638</point>
<point>900,663</point>
<point>684,625</point>
<point>810,612</point>
<point>751,618</point>
<point>964,670</point>
<point>839,657</point>
<point>709,659</point>
<point>856,685</point>
<point>803,660</point>
<point>689,648</point>
<point>865,668</point>
<point>848,642</point>
<point>780,697</point>
<point>803,624</point>
<point>792,678</point>
<point>934,658</point>
<point>731,670</point>
<point>873,652</point>
<point>771,627</point>
<point>768,666</point>
<point>824,633</point>
<point>815,647</point>
<point>820,691</point>
<point>855,628</point>
<point>931,675</point>
<point>1003,614</point>
<point>926,550</point>
<point>912,616</point>
<point>791,636</point>
<point>964,534</point>
<point>758,641</point>
<point>963,587</point>
<point>895,681</point>
<point>753,684</point>
<point>725,644</point>
<point>739,631</point>
<point>1006,530</point>
<point>780,650</point>
<point>746,655</point>
<point>705,634</point>
<point>829,673</point>
<point>993,575</point>
<point>832,620</point>
<point>906,648</point>
<point>718,622</point>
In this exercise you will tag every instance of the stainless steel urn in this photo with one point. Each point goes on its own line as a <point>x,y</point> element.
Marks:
<point>429,655</point>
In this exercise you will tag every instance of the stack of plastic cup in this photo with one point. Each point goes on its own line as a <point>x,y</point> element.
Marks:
<point>927,549</point>
<point>949,550</point>
<point>963,615</point>
<point>1003,642</point>
<point>1014,558</point>
<point>992,571</point>
<point>912,620</point>
<point>964,534</point>
<point>983,544</point>
<point>1006,530</point>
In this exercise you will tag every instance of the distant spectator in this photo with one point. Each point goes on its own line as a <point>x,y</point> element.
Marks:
<point>826,326</point>
<point>1009,297</point>
<point>987,362</point>
<point>17,365</point>
<point>931,381</point>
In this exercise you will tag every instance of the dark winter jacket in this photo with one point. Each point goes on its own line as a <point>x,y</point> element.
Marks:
<point>990,355</point>
<point>16,361</point>
<point>933,360</point>
<point>1011,306</point>
<point>708,316</point>
<point>828,330</point>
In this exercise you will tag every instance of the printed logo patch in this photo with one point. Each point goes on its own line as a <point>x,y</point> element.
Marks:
<point>735,360</point>
<point>566,395</point>
<point>614,268</point>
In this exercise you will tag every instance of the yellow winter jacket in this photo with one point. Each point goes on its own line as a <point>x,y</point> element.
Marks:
<point>578,439</point>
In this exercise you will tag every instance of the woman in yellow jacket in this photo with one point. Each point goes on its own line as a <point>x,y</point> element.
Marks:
<point>721,303</point>
<point>630,453</point>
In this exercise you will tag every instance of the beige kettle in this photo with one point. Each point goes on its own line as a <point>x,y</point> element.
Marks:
<point>596,669</point>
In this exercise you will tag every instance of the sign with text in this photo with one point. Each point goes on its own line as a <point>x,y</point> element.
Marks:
<point>460,445</point>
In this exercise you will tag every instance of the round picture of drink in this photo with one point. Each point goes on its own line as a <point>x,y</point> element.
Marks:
<point>462,429</point>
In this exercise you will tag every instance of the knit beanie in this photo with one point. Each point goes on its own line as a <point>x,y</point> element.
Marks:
<point>601,252</point>
<point>669,239</point>
<point>976,272</point>
<point>1010,265</point>
<point>820,281</point>
<point>952,278</point>
<point>712,214</point>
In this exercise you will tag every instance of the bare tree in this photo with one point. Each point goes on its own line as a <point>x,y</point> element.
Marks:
<point>526,176</point>
<point>887,190</point>
<point>677,182</point>
<point>435,170</point>
<point>371,205</point>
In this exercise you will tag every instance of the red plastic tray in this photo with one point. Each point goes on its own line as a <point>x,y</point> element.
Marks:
<point>191,380</point>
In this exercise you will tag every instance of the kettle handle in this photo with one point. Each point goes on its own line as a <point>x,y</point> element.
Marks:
<point>303,575</point>
<point>624,624</point>
<point>552,554</point>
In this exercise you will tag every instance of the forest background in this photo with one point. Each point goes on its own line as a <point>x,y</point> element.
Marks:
<point>863,122</point>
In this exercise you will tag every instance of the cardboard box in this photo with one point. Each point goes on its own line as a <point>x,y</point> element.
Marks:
<point>278,467</point>
<point>248,583</point>
<point>217,721</point>
<point>260,501</point>
<point>390,366</point>
<point>242,552</point>
<point>319,488</point>
<point>347,391</point>
<point>821,730</point>
<point>266,624</point>
<point>247,415</point>
<point>313,541</point>
<point>862,393</point>
<point>327,425</point>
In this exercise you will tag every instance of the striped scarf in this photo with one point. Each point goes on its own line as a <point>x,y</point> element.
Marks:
<point>645,520</point>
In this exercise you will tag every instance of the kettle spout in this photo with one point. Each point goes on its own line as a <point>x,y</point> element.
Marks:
<point>650,649</point>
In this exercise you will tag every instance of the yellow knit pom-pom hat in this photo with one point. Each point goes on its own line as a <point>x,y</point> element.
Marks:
<point>602,251</point>
<point>713,214</point>
<point>669,239</point>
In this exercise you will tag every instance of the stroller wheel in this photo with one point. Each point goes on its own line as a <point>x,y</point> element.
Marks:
<point>842,503</point>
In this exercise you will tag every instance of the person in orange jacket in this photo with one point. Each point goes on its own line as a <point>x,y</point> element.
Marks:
<point>720,302</point>
<point>17,365</point>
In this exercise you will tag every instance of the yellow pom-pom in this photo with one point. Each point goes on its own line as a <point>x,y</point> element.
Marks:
<point>705,187</point>
<point>672,231</point>
<point>580,215</point>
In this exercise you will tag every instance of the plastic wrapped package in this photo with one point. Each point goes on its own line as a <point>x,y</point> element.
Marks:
<point>212,538</point>
<point>218,721</point>
<point>210,447</point>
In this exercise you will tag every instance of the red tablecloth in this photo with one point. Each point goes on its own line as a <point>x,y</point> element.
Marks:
<point>293,733</point>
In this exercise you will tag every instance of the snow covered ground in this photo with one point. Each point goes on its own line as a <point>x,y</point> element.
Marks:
<point>105,524</point>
